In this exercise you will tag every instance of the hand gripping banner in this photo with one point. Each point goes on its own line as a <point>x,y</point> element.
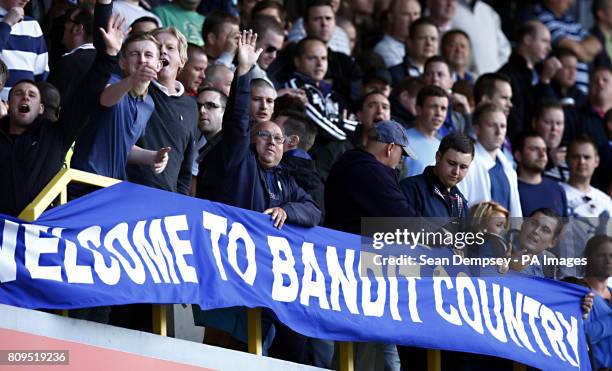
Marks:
<point>133,244</point>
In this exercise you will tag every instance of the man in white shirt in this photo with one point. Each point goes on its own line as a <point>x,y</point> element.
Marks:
<point>392,46</point>
<point>491,48</point>
<point>131,11</point>
<point>491,176</point>
<point>336,38</point>
<point>582,199</point>
<point>589,208</point>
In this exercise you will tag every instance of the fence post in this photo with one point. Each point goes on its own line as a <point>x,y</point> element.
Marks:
<point>346,356</point>
<point>160,326</point>
<point>254,326</point>
<point>434,360</point>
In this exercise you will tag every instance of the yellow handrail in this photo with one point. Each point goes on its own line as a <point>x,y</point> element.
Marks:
<point>58,187</point>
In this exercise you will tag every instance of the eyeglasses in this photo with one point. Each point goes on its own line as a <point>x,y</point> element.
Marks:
<point>275,138</point>
<point>271,49</point>
<point>208,105</point>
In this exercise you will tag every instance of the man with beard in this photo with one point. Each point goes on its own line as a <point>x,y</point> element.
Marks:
<point>173,122</point>
<point>536,191</point>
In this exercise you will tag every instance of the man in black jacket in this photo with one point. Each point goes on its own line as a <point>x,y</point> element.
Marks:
<point>363,182</point>
<point>174,123</point>
<point>527,84</point>
<point>246,173</point>
<point>32,148</point>
<point>77,39</point>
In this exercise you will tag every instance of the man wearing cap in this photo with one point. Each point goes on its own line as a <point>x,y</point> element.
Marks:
<point>434,192</point>
<point>363,182</point>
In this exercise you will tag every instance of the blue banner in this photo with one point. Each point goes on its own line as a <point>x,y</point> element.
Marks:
<point>133,244</point>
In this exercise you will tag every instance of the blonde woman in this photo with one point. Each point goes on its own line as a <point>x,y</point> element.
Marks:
<point>493,220</point>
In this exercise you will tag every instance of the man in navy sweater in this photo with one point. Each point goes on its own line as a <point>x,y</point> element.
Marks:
<point>173,123</point>
<point>536,191</point>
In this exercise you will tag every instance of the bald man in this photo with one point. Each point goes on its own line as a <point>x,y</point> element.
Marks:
<point>247,173</point>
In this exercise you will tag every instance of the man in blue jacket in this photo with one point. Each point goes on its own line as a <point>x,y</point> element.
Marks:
<point>434,192</point>
<point>247,174</point>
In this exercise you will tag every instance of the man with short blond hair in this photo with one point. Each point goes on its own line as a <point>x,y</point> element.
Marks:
<point>173,122</point>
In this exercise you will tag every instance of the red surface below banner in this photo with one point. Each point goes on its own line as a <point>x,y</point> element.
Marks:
<point>81,356</point>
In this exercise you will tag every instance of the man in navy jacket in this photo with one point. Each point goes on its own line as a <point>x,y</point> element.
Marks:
<point>247,174</point>
<point>363,182</point>
<point>434,192</point>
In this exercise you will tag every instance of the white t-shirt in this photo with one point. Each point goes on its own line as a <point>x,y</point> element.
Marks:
<point>590,204</point>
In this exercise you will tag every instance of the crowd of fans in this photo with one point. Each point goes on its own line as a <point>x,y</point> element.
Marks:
<point>322,112</point>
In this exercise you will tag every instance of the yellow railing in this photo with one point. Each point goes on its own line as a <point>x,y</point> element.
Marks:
<point>57,190</point>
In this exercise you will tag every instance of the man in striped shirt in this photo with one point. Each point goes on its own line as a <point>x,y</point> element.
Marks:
<point>22,45</point>
<point>568,33</point>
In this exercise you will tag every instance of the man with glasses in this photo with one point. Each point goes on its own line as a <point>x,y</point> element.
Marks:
<point>246,172</point>
<point>270,41</point>
<point>211,107</point>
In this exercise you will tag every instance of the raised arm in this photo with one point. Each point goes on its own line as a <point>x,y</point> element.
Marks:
<point>73,119</point>
<point>235,126</point>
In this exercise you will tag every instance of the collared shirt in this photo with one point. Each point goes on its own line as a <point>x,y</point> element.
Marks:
<point>82,47</point>
<point>392,50</point>
<point>298,152</point>
<point>180,89</point>
<point>500,187</point>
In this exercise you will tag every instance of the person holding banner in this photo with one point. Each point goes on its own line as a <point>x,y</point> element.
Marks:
<point>598,325</point>
<point>246,174</point>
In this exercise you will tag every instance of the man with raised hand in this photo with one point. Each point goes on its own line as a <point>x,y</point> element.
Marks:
<point>125,107</point>
<point>246,174</point>
<point>250,157</point>
<point>173,123</point>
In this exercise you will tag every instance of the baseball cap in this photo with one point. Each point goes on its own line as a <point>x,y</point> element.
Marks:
<point>389,131</point>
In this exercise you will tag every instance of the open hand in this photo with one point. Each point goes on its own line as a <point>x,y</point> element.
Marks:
<point>161,160</point>
<point>279,216</point>
<point>114,35</point>
<point>247,55</point>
